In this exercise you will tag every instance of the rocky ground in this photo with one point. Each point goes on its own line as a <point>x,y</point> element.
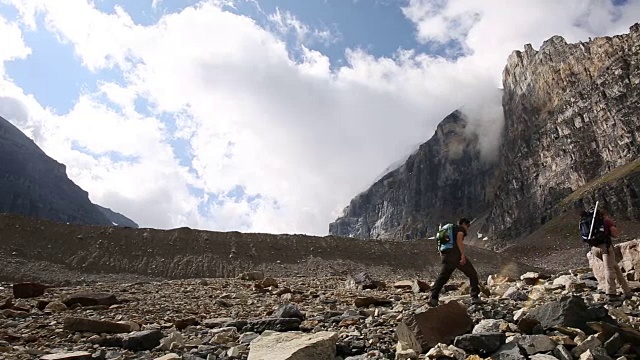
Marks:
<point>113,293</point>
<point>331,318</point>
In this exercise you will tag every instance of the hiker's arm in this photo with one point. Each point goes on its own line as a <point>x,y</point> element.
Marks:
<point>614,231</point>
<point>459,240</point>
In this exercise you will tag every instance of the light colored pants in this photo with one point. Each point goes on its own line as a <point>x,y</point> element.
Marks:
<point>612,271</point>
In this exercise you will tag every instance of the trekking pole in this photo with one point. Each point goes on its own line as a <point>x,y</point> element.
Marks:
<point>595,211</point>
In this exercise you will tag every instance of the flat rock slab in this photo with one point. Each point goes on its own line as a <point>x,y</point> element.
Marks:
<point>90,299</point>
<point>95,326</point>
<point>78,355</point>
<point>442,324</point>
<point>28,290</point>
<point>294,346</point>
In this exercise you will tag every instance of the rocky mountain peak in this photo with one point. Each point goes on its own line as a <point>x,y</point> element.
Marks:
<point>442,179</point>
<point>33,184</point>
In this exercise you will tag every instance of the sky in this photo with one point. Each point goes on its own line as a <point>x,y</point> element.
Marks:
<point>261,116</point>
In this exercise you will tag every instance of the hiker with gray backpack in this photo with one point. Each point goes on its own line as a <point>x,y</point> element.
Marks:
<point>597,229</point>
<point>450,245</point>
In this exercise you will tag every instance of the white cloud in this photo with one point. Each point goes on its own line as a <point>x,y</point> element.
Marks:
<point>287,22</point>
<point>304,137</point>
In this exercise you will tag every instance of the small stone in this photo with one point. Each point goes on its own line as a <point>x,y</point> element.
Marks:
<point>233,352</point>
<point>289,311</point>
<point>515,294</point>
<point>489,326</point>
<point>534,344</point>
<point>406,355</point>
<point>595,354</point>
<point>184,323</point>
<point>480,343</point>
<point>530,326</point>
<point>247,337</point>
<point>269,282</point>
<point>217,322</point>
<point>589,343</point>
<point>55,307</point>
<point>367,301</point>
<point>251,276</point>
<point>562,353</point>
<point>142,340</point>
<point>361,281</point>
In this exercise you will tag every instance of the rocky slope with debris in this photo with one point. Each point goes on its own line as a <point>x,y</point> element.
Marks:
<point>571,136</point>
<point>31,248</point>
<point>33,184</point>
<point>254,317</point>
<point>446,178</point>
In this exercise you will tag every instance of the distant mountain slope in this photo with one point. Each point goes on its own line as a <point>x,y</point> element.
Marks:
<point>444,179</point>
<point>35,185</point>
<point>117,218</point>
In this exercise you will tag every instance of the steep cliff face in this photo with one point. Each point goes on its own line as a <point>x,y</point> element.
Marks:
<point>444,179</point>
<point>35,185</point>
<point>571,116</point>
<point>571,137</point>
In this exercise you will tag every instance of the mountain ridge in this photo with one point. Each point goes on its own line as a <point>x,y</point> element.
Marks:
<point>35,185</point>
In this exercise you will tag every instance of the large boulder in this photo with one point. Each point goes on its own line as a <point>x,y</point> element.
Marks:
<point>628,256</point>
<point>568,311</point>
<point>425,329</point>
<point>294,346</point>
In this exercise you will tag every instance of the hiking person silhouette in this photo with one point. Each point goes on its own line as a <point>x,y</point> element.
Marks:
<point>601,247</point>
<point>453,257</point>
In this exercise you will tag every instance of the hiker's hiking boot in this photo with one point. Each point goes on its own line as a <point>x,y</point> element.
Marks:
<point>616,298</point>
<point>433,302</point>
<point>477,301</point>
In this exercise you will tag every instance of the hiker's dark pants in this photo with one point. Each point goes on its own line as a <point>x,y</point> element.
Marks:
<point>451,262</point>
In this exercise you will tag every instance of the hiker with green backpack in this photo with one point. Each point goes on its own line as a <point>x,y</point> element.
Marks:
<point>450,245</point>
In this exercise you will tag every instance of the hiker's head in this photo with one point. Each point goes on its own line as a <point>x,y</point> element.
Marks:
<point>464,222</point>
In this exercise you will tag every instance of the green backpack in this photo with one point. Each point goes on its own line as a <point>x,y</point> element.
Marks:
<point>444,236</point>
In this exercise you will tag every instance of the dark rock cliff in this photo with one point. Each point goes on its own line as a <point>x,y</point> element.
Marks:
<point>571,136</point>
<point>35,185</point>
<point>444,179</point>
